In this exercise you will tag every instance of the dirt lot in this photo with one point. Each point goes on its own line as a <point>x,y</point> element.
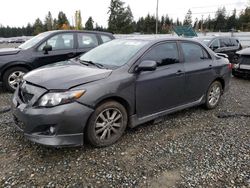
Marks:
<point>191,148</point>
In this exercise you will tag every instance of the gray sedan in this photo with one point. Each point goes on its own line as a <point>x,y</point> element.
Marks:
<point>120,84</point>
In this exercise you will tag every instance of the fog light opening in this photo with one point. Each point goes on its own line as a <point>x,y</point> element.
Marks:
<point>52,130</point>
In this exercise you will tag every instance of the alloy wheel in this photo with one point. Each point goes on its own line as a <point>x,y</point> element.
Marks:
<point>108,123</point>
<point>214,95</point>
<point>14,79</point>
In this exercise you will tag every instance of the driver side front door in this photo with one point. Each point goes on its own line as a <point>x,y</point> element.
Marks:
<point>162,89</point>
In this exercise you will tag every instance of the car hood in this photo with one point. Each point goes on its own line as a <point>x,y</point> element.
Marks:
<point>9,51</point>
<point>62,76</point>
<point>245,51</point>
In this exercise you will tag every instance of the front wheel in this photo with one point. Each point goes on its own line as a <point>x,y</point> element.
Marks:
<point>213,95</point>
<point>12,77</point>
<point>107,124</point>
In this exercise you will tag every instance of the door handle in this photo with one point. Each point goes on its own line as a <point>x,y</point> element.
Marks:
<point>179,72</point>
<point>210,66</point>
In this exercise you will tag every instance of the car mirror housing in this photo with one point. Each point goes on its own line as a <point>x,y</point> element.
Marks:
<point>222,55</point>
<point>146,65</point>
<point>47,48</point>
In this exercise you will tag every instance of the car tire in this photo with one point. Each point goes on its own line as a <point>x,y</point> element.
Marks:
<point>14,74</point>
<point>213,95</point>
<point>107,124</point>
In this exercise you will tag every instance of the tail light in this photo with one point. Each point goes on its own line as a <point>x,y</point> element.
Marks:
<point>230,66</point>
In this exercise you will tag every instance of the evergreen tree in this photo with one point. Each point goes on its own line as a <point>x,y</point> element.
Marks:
<point>48,22</point>
<point>89,24</point>
<point>188,18</point>
<point>38,27</point>
<point>120,17</point>
<point>220,19</point>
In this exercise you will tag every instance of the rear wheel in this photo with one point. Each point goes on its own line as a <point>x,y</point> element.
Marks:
<point>12,77</point>
<point>213,95</point>
<point>106,124</point>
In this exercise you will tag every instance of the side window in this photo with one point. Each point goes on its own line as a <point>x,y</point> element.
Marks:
<point>215,44</point>
<point>225,42</point>
<point>194,52</point>
<point>87,40</point>
<point>163,54</point>
<point>234,42</point>
<point>59,42</point>
<point>105,38</point>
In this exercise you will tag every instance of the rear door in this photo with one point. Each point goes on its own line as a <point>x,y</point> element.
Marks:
<point>86,42</point>
<point>199,72</point>
<point>63,48</point>
<point>163,88</point>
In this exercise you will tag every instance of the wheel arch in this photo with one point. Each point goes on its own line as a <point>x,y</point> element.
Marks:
<point>221,80</point>
<point>15,64</point>
<point>118,99</point>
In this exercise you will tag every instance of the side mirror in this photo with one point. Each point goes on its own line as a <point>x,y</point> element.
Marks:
<point>47,48</point>
<point>222,55</point>
<point>146,65</point>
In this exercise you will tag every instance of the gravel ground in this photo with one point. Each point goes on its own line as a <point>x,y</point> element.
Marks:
<point>191,148</point>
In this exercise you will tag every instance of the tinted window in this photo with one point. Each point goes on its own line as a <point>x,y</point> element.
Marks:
<point>163,54</point>
<point>87,40</point>
<point>234,42</point>
<point>33,41</point>
<point>194,52</point>
<point>60,42</point>
<point>105,38</point>
<point>215,44</point>
<point>225,43</point>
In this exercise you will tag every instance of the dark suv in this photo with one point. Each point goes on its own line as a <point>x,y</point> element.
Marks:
<point>46,48</point>
<point>222,44</point>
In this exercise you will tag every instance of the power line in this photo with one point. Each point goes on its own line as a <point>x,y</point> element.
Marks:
<point>220,5</point>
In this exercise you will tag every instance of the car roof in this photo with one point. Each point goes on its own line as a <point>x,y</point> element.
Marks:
<point>80,31</point>
<point>156,39</point>
<point>213,37</point>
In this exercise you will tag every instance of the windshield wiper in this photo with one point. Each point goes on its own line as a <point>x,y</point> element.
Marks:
<point>91,63</point>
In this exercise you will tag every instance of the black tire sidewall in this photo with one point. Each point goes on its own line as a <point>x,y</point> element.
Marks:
<point>207,104</point>
<point>6,75</point>
<point>90,129</point>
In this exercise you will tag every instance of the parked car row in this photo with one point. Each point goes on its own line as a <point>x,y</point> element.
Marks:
<point>82,91</point>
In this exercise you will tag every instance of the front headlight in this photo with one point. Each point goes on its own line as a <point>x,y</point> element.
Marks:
<point>54,99</point>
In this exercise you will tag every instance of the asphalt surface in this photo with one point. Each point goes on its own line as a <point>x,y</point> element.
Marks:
<point>191,148</point>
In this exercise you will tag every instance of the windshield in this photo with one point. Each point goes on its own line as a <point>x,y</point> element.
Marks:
<point>205,41</point>
<point>114,53</point>
<point>33,41</point>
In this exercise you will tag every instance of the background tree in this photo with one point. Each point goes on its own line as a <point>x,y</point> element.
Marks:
<point>38,27</point>
<point>188,18</point>
<point>89,24</point>
<point>78,20</point>
<point>48,23</point>
<point>220,19</point>
<point>120,17</point>
<point>62,21</point>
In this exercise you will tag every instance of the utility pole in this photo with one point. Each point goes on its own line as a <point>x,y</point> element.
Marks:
<point>156,24</point>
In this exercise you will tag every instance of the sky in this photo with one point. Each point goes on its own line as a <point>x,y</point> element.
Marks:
<point>21,12</point>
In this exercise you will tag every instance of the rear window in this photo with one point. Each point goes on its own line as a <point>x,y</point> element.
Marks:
<point>105,38</point>
<point>234,42</point>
